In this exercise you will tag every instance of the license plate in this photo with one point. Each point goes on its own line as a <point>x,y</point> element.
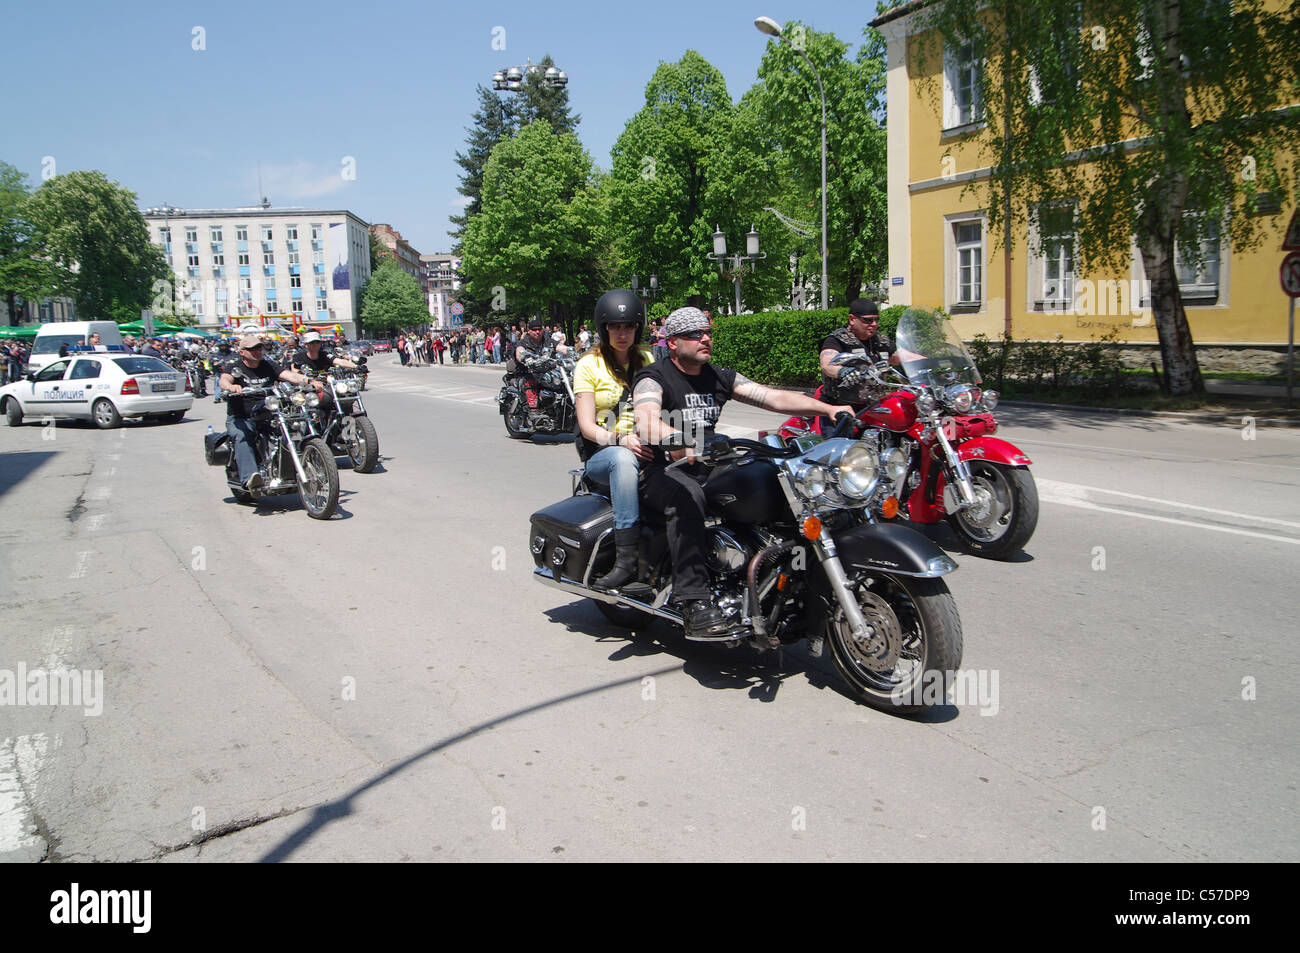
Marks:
<point>160,388</point>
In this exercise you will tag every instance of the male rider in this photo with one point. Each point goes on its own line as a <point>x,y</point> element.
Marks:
<point>316,357</point>
<point>251,370</point>
<point>534,346</point>
<point>685,394</point>
<point>862,336</point>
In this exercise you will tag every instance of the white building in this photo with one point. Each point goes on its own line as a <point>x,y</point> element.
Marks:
<point>441,286</point>
<point>306,263</point>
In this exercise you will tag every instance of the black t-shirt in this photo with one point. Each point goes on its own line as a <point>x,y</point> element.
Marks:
<point>878,347</point>
<point>322,363</point>
<point>690,401</point>
<point>263,375</point>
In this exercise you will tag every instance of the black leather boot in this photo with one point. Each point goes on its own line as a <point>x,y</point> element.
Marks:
<point>625,560</point>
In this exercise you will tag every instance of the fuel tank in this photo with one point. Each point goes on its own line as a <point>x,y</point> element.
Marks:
<point>746,492</point>
<point>896,412</point>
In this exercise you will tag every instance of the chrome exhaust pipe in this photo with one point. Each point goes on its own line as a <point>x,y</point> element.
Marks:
<point>545,577</point>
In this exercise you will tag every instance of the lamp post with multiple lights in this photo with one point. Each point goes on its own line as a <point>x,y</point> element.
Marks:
<point>736,260</point>
<point>512,80</point>
<point>772,28</point>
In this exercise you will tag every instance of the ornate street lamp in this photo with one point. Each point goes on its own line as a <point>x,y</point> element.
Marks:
<point>772,28</point>
<point>736,261</point>
<point>512,80</point>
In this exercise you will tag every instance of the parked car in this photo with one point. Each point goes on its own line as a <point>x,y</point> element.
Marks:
<point>103,387</point>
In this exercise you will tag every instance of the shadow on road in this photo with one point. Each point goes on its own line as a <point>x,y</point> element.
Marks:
<point>19,465</point>
<point>323,814</point>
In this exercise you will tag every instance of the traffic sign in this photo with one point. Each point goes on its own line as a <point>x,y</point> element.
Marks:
<point>457,308</point>
<point>1291,274</point>
<point>1292,240</point>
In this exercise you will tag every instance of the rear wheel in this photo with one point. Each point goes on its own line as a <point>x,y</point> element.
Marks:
<point>1005,514</point>
<point>912,648</point>
<point>320,491</point>
<point>13,412</point>
<point>362,441</point>
<point>105,414</point>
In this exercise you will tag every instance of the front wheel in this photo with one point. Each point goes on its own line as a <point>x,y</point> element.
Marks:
<point>363,445</point>
<point>912,647</point>
<point>516,419</point>
<point>1005,513</point>
<point>320,491</point>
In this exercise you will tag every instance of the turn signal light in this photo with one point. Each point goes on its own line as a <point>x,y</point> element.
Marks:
<point>889,508</point>
<point>812,527</point>
<point>130,386</point>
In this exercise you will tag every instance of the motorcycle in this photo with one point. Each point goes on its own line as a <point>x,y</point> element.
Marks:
<point>344,424</point>
<point>193,371</point>
<point>290,452</point>
<point>936,428</point>
<point>794,555</point>
<point>541,401</point>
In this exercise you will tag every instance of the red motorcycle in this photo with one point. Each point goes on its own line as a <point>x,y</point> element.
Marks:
<point>932,430</point>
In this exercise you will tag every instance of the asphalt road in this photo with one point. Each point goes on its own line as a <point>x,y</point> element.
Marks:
<point>392,685</point>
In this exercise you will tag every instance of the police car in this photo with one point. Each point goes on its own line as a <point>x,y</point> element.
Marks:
<point>102,385</point>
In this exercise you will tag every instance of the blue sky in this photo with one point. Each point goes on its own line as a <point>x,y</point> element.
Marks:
<point>298,87</point>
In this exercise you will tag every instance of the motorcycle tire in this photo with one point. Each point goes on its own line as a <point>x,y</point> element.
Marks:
<point>1006,536</point>
<point>320,495</point>
<point>515,422</point>
<point>364,451</point>
<point>915,621</point>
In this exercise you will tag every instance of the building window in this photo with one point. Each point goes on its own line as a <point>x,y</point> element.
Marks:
<point>268,258</point>
<point>193,261</point>
<point>192,234</point>
<point>968,243</point>
<point>241,233</point>
<point>270,282</point>
<point>266,233</point>
<point>291,233</point>
<point>214,233</point>
<point>962,68</point>
<point>295,281</point>
<point>1056,226</point>
<point>165,236</point>
<point>316,232</point>
<point>297,306</point>
<point>243,258</point>
<point>1198,275</point>
<point>293,257</point>
<point>318,256</point>
<point>218,260</point>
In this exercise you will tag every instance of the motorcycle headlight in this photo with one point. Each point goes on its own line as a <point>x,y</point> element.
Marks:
<point>299,398</point>
<point>894,463</point>
<point>926,404</point>
<point>858,472</point>
<point>961,398</point>
<point>810,481</point>
<point>990,399</point>
<point>340,387</point>
<point>273,404</point>
<point>313,401</point>
<point>352,388</point>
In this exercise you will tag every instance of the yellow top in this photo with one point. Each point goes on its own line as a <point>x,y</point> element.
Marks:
<point>593,376</point>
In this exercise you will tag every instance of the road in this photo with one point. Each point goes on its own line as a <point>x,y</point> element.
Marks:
<point>392,685</point>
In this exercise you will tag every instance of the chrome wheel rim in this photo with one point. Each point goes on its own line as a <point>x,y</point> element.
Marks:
<point>892,658</point>
<point>314,488</point>
<point>104,412</point>
<point>991,517</point>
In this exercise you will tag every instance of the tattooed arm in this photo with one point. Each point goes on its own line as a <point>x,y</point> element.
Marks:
<point>647,404</point>
<point>784,401</point>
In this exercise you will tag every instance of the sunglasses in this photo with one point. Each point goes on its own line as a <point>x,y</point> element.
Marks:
<point>695,335</point>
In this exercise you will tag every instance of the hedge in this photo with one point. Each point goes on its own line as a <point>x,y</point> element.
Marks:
<point>780,347</point>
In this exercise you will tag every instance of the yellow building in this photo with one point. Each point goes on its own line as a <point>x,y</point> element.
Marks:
<point>941,253</point>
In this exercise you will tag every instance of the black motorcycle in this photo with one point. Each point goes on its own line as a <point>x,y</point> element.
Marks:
<point>343,423</point>
<point>540,401</point>
<point>291,455</point>
<point>795,554</point>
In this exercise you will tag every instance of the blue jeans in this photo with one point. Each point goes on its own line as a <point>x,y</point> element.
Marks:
<point>616,469</point>
<point>243,437</point>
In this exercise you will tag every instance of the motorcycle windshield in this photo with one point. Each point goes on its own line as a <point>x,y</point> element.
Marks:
<point>931,351</point>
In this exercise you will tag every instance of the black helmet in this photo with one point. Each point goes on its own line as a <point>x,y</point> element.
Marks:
<point>620,306</point>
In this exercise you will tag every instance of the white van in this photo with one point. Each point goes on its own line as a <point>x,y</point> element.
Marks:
<point>74,334</point>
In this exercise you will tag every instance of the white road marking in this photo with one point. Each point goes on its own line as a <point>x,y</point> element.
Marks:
<point>96,521</point>
<point>1070,489</point>
<point>19,757</point>
<point>102,493</point>
<point>80,571</point>
<point>1153,455</point>
<point>1069,494</point>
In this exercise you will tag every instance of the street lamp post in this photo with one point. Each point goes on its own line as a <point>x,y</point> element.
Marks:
<point>648,292</point>
<point>772,28</point>
<point>512,80</point>
<point>737,260</point>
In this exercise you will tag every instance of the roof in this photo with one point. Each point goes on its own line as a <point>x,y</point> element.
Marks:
<point>248,211</point>
<point>902,10</point>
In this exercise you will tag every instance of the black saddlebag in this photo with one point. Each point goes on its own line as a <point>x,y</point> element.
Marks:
<point>216,448</point>
<point>564,535</point>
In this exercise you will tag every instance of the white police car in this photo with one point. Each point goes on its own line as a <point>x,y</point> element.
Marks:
<point>103,386</point>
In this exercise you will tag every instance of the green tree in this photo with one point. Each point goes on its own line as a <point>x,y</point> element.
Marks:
<point>1184,111</point>
<point>96,241</point>
<point>22,274</point>
<point>392,300</point>
<point>787,103</point>
<point>537,243</point>
<point>684,165</point>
